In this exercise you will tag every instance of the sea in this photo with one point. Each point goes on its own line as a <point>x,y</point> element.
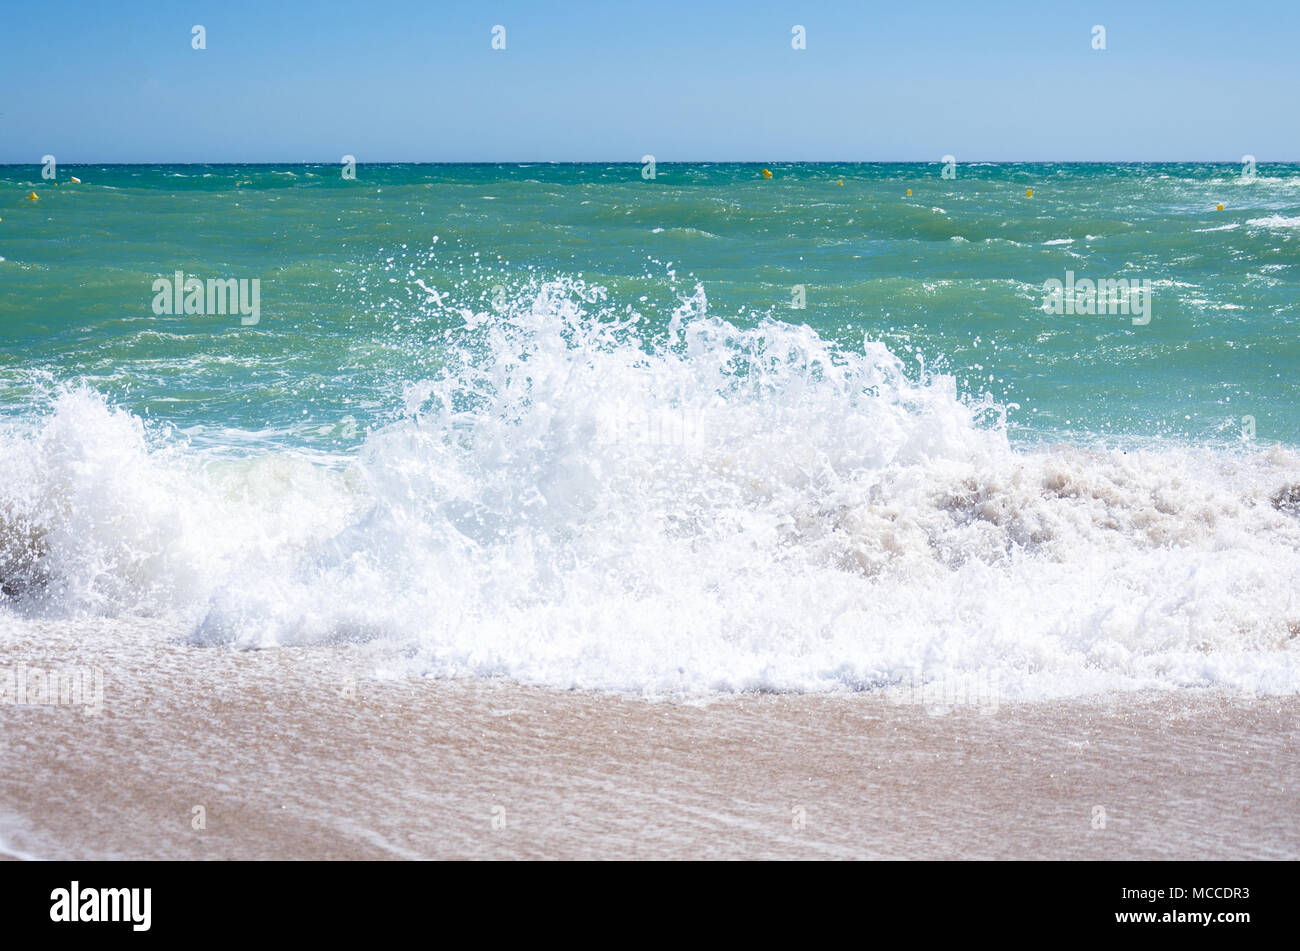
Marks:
<point>664,431</point>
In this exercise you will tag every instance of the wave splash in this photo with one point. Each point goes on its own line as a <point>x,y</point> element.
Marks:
<point>578,499</point>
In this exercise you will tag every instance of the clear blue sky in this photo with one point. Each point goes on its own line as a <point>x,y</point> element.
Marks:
<point>606,81</point>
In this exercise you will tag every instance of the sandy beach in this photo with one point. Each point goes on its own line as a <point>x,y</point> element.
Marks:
<point>292,753</point>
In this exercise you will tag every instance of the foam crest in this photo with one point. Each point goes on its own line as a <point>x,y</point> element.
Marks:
<point>585,497</point>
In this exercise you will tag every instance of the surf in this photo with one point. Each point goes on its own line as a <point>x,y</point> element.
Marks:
<point>582,498</point>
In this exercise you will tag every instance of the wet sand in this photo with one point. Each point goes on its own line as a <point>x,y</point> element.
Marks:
<point>289,757</point>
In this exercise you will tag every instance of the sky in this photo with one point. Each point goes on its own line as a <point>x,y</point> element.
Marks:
<point>1179,80</point>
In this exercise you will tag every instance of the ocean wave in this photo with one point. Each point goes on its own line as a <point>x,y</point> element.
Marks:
<point>1275,221</point>
<point>684,232</point>
<point>578,502</point>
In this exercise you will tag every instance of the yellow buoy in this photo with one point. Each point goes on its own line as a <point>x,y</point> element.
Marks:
<point>33,196</point>
<point>1220,208</point>
<point>841,181</point>
<point>909,191</point>
<point>1029,193</point>
<point>766,173</point>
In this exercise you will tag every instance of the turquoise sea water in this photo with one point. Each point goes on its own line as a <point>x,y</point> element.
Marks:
<point>564,424</point>
<point>950,276</point>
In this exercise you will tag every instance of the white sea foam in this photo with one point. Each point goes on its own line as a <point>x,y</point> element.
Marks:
<point>1275,221</point>
<point>708,509</point>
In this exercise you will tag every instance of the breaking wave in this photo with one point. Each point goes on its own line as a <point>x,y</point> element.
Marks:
<point>577,500</point>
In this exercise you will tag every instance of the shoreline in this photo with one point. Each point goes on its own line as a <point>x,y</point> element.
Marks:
<point>288,756</point>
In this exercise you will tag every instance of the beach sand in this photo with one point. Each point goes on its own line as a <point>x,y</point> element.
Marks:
<point>289,757</point>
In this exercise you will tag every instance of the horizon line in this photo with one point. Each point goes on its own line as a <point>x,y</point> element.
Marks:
<point>662,162</point>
